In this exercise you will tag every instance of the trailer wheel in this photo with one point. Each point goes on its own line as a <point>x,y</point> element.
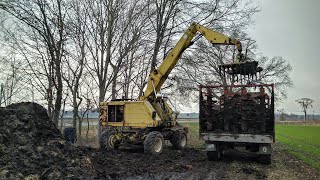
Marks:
<point>215,155</point>
<point>109,140</point>
<point>153,143</point>
<point>179,140</point>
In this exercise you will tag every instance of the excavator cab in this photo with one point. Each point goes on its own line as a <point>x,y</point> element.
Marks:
<point>115,113</point>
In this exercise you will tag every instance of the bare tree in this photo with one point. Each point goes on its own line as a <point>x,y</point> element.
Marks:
<point>46,19</point>
<point>109,41</point>
<point>131,27</point>
<point>11,82</point>
<point>164,12</point>
<point>109,47</point>
<point>101,40</point>
<point>76,54</point>
<point>276,70</point>
<point>283,115</point>
<point>305,103</point>
<point>85,112</point>
<point>14,83</point>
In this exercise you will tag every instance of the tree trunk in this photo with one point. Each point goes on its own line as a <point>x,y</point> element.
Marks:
<point>79,128</point>
<point>88,126</point>
<point>305,116</point>
<point>75,107</point>
<point>155,54</point>
<point>75,116</point>
<point>102,94</point>
<point>58,102</point>
<point>114,84</point>
<point>50,102</point>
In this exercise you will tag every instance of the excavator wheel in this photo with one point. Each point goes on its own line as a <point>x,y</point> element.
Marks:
<point>179,139</point>
<point>109,140</point>
<point>153,143</point>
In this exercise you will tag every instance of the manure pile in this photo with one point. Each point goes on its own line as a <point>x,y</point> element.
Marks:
<point>31,147</point>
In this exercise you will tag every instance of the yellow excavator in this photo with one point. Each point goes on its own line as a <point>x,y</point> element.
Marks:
<point>149,120</point>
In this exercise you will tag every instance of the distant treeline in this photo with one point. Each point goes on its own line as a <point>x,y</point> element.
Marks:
<point>296,117</point>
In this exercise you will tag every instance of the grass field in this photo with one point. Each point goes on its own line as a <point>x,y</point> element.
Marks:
<point>301,141</point>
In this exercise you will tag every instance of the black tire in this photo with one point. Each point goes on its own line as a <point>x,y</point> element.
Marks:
<point>179,140</point>
<point>265,158</point>
<point>213,155</point>
<point>109,140</point>
<point>153,143</point>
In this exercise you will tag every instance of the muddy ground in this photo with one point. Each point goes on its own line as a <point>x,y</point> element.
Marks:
<point>193,164</point>
<point>31,148</point>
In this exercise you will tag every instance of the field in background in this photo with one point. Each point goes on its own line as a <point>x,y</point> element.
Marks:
<point>302,123</point>
<point>301,141</point>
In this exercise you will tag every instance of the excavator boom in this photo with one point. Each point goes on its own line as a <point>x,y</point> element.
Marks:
<point>158,76</point>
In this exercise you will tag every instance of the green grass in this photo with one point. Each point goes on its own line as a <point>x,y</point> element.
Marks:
<point>301,141</point>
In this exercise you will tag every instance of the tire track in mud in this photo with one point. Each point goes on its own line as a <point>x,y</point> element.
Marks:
<point>236,165</point>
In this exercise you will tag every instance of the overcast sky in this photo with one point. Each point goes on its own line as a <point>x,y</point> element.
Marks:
<point>290,28</point>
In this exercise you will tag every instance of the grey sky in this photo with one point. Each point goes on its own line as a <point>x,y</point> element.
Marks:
<point>290,28</point>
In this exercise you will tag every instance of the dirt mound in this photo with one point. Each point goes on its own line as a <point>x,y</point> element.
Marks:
<point>32,147</point>
<point>26,123</point>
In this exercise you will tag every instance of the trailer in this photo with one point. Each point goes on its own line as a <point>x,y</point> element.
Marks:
<point>237,117</point>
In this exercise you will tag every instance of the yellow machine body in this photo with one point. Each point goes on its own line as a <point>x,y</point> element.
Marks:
<point>133,114</point>
<point>136,114</point>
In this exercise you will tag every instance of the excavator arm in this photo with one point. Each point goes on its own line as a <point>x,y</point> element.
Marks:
<point>158,76</point>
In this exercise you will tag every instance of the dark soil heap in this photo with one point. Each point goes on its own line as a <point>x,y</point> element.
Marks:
<point>31,147</point>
